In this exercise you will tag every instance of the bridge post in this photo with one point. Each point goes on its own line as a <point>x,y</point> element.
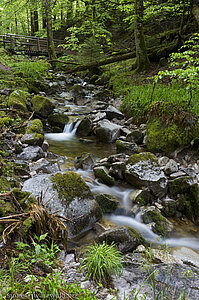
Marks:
<point>38,44</point>
<point>4,42</point>
<point>11,43</point>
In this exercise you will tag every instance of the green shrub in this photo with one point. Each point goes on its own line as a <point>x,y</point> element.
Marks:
<point>32,69</point>
<point>102,261</point>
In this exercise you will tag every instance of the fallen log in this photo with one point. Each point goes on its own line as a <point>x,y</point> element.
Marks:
<point>154,54</point>
<point>100,63</point>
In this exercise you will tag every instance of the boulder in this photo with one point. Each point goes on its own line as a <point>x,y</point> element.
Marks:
<point>58,120</point>
<point>107,203</point>
<point>142,197</point>
<point>44,166</point>
<point>42,106</point>
<point>107,131</point>
<point>70,196</point>
<point>179,185</point>
<point>112,112</point>
<point>101,172</point>
<point>126,147</point>
<point>159,224</point>
<point>117,170</point>
<point>18,100</point>
<point>188,203</point>
<point>34,133</point>
<point>143,170</point>
<point>136,136</point>
<point>85,161</point>
<point>169,207</point>
<point>32,153</point>
<point>84,128</point>
<point>171,167</point>
<point>126,238</point>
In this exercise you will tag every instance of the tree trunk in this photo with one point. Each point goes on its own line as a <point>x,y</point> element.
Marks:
<point>195,10</point>
<point>51,46</point>
<point>142,60</point>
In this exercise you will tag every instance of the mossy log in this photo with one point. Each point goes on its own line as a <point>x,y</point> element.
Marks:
<point>154,54</point>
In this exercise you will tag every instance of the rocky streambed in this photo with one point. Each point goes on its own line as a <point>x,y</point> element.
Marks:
<point>102,177</point>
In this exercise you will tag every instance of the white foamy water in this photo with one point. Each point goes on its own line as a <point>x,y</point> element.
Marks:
<point>151,237</point>
<point>67,134</point>
<point>122,194</point>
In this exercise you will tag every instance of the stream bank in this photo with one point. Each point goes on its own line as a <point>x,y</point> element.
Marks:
<point>115,174</point>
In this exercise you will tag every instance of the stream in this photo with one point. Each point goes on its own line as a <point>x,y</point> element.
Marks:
<point>69,145</point>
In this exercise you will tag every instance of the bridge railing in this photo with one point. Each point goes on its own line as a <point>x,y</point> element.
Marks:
<point>19,42</point>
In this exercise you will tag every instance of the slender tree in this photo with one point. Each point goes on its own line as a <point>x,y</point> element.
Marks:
<point>142,60</point>
<point>51,46</point>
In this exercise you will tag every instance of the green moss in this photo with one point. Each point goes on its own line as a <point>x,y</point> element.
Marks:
<point>18,100</point>
<point>107,203</point>
<point>141,240</point>
<point>23,198</point>
<point>144,156</point>
<point>5,208</point>
<point>58,120</point>
<point>170,127</point>
<point>27,224</point>
<point>188,203</point>
<point>4,184</point>
<point>35,126</point>
<point>70,185</point>
<point>6,121</point>
<point>161,223</point>
<point>102,173</point>
<point>42,105</point>
<point>179,185</point>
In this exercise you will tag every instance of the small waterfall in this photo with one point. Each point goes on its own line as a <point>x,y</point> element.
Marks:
<point>151,237</point>
<point>67,134</point>
<point>122,194</point>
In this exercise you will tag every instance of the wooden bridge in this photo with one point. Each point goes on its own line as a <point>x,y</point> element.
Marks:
<point>28,45</point>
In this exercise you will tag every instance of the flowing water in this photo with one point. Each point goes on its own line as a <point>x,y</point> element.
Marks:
<point>67,144</point>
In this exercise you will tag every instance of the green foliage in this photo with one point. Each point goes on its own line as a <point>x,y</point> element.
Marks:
<point>11,284</point>
<point>90,51</point>
<point>102,261</point>
<point>184,66</point>
<point>32,69</point>
<point>70,185</point>
<point>40,250</point>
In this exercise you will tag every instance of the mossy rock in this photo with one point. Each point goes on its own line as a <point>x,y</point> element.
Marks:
<point>6,208</point>
<point>170,127</point>
<point>143,157</point>
<point>5,122</point>
<point>42,105</point>
<point>84,128</point>
<point>179,185</point>
<point>58,120</point>
<point>4,184</point>
<point>70,185</point>
<point>18,100</point>
<point>35,126</point>
<point>107,203</point>
<point>33,135</point>
<point>126,238</point>
<point>188,203</point>
<point>142,197</point>
<point>161,225</point>
<point>126,147</point>
<point>102,173</point>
